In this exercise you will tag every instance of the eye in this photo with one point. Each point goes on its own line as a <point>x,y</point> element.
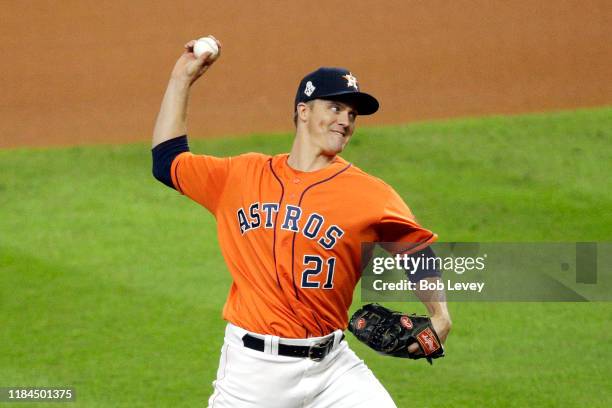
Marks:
<point>335,108</point>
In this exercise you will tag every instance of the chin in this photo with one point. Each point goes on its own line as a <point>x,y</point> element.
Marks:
<point>334,150</point>
<point>336,147</point>
<point>333,144</point>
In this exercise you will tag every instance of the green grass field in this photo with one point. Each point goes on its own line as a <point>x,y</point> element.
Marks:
<point>114,284</point>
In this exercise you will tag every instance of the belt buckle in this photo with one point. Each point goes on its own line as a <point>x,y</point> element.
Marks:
<point>322,348</point>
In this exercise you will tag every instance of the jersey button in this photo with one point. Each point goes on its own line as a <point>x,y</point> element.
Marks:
<point>296,180</point>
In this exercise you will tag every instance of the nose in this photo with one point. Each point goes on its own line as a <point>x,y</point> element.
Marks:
<point>343,118</point>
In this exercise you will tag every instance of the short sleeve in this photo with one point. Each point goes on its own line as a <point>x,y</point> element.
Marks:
<point>398,227</point>
<point>201,177</point>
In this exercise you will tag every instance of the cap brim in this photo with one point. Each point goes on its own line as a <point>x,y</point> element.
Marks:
<point>364,104</point>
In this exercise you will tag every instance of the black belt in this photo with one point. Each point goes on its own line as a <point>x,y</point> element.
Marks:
<point>316,352</point>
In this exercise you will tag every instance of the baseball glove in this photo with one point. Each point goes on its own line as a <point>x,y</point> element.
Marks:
<point>390,333</point>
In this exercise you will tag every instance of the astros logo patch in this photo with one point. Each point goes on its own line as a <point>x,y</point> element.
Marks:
<point>428,341</point>
<point>360,323</point>
<point>406,322</point>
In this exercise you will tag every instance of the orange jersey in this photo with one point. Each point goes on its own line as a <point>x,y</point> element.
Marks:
<point>292,239</point>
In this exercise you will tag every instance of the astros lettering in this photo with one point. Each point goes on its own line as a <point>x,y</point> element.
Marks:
<point>313,224</point>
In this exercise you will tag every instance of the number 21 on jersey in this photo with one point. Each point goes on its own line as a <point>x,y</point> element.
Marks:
<point>315,266</point>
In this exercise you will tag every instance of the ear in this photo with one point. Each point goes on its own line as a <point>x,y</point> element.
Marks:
<point>303,110</point>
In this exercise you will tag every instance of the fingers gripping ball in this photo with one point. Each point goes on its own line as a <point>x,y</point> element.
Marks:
<point>206,44</point>
<point>391,333</point>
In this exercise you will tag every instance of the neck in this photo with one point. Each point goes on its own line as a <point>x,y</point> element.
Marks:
<point>306,157</point>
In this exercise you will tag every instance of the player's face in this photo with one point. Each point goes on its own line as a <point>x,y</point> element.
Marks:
<point>331,125</point>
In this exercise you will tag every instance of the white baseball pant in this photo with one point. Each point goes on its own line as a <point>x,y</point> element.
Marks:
<point>251,378</point>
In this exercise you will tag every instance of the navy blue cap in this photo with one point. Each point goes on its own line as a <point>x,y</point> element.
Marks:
<point>336,84</point>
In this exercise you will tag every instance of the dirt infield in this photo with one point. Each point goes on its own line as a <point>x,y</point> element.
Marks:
<point>81,71</point>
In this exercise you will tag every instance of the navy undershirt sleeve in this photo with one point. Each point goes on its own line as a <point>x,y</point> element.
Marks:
<point>163,155</point>
<point>425,269</point>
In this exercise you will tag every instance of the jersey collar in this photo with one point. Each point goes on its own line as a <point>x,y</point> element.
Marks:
<point>289,174</point>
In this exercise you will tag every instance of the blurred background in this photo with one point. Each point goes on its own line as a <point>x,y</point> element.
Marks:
<point>495,126</point>
<point>82,71</point>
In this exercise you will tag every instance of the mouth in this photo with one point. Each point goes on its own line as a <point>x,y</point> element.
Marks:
<point>341,133</point>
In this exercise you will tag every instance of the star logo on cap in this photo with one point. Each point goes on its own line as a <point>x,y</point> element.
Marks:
<point>350,80</point>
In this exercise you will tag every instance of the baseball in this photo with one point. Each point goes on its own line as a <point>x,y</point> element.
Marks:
<point>206,44</point>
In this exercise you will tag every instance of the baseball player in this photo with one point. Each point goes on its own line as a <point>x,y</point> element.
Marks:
<point>290,228</point>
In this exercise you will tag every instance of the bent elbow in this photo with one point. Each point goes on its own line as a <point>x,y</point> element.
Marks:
<point>163,156</point>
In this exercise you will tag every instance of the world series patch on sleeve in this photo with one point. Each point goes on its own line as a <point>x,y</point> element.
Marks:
<point>391,333</point>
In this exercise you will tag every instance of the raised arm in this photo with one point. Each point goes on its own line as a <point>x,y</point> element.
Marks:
<point>172,118</point>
